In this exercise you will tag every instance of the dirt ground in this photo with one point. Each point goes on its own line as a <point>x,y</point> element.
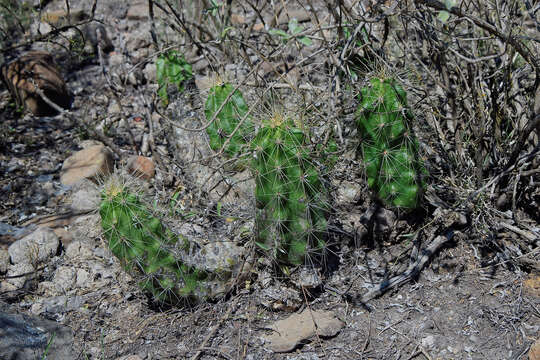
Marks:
<point>475,296</point>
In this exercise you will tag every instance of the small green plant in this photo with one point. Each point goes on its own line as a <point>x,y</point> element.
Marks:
<point>293,33</point>
<point>146,248</point>
<point>291,200</point>
<point>389,147</point>
<point>171,68</point>
<point>233,109</point>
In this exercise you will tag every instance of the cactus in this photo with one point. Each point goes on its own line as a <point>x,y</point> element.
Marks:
<point>227,119</point>
<point>147,249</point>
<point>290,196</point>
<point>390,150</point>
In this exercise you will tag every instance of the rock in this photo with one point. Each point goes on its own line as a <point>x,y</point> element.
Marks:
<point>531,286</point>
<point>114,108</point>
<point>534,351</point>
<point>116,59</point>
<point>15,273</point>
<point>258,27</point>
<point>59,18</point>
<point>428,341</point>
<point>44,74</point>
<point>301,15</point>
<point>290,332</point>
<point>36,247</point>
<point>85,196</point>
<point>64,278</point>
<point>141,167</point>
<point>90,163</point>
<point>138,11</point>
<point>79,250</point>
<point>28,337</point>
<point>4,261</point>
<point>149,72</point>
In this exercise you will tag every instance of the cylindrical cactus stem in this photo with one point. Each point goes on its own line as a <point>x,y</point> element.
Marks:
<point>389,148</point>
<point>291,220</point>
<point>233,109</point>
<point>146,248</point>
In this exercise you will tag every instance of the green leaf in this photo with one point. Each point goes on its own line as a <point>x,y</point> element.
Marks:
<point>294,28</point>
<point>305,40</point>
<point>443,16</point>
<point>280,33</point>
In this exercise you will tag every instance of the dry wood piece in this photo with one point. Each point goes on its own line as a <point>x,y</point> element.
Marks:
<point>31,70</point>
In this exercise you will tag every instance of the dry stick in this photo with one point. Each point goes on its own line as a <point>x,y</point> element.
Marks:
<point>413,270</point>
<point>525,53</point>
<point>214,329</point>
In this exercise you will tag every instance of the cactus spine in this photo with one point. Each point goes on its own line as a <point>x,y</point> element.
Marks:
<point>227,119</point>
<point>290,196</point>
<point>390,150</point>
<point>145,247</point>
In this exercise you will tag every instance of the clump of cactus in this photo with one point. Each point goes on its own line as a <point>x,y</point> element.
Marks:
<point>233,109</point>
<point>389,147</point>
<point>147,249</point>
<point>291,200</point>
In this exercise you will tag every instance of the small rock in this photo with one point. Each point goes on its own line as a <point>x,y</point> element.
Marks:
<point>26,337</point>
<point>142,167</point>
<point>14,274</point>
<point>116,59</point>
<point>138,11</point>
<point>114,108</point>
<point>90,163</point>
<point>34,248</point>
<point>258,27</point>
<point>203,83</point>
<point>85,196</point>
<point>45,75</point>
<point>532,285</point>
<point>4,261</point>
<point>79,250</point>
<point>534,352</point>
<point>290,332</point>
<point>149,72</point>
<point>83,278</point>
<point>428,341</point>
<point>301,15</point>
<point>237,19</point>
<point>64,278</point>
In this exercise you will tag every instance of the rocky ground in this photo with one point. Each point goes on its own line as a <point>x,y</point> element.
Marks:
<point>469,301</point>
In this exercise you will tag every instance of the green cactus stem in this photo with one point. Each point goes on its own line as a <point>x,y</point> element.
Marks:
<point>389,148</point>
<point>227,119</point>
<point>146,248</point>
<point>291,199</point>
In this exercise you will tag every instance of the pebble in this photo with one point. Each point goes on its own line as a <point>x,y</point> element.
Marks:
<point>141,167</point>
<point>90,163</point>
<point>36,247</point>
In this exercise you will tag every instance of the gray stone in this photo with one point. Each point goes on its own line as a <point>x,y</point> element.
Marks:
<point>138,11</point>
<point>79,250</point>
<point>64,278</point>
<point>4,261</point>
<point>297,328</point>
<point>30,337</point>
<point>15,273</point>
<point>85,196</point>
<point>35,248</point>
<point>149,72</point>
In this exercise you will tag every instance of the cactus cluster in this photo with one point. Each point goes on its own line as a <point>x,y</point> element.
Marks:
<point>389,147</point>
<point>147,249</point>
<point>226,121</point>
<point>291,219</point>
